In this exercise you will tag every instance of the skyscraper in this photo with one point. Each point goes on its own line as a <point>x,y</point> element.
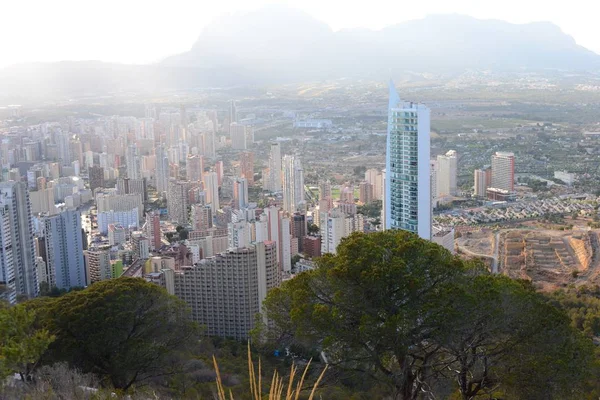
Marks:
<point>446,174</point>
<point>232,112</point>
<point>503,171</point>
<point>162,169</point>
<point>408,174</point>
<point>65,267</point>
<point>133,162</point>
<point>211,187</point>
<point>480,183</point>
<point>240,193</point>
<point>275,184</point>
<point>247,166</point>
<point>18,272</point>
<point>237,133</point>
<point>177,201</point>
<point>293,183</point>
<point>194,168</point>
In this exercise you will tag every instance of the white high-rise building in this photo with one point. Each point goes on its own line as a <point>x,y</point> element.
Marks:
<point>446,174</point>
<point>211,187</point>
<point>275,181</point>
<point>293,184</point>
<point>408,171</point>
<point>133,162</point>
<point>503,171</point>
<point>237,134</point>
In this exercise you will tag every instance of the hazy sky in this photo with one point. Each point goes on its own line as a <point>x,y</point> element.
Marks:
<point>142,31</point>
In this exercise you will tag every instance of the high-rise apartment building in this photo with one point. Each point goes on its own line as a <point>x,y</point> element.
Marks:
<point>98,267</point>
<point>247,166</point>
<point>365,192</point>
<point>374,177</point>
<point>133,186</point>
<point>201,216</point>
<point>293,183</point>
<point>63,252</point>
<point>275,181</point>
<point>480,182</point>
<point>162,169</point>
<point>178,201</point>
<point>408,174</point>
<point>133,162</point>
<point>446,174</point>
<point>194,168</point>
<point>503,171</point>
<point>225,292</point>
<point>240,193</point>
<point>237,134</point>
<point>232,112</point>
<point>152,230</point>
<point>18,270</point>
<point>324,190</point>
<point>211,187</point>
<point>336,225</point>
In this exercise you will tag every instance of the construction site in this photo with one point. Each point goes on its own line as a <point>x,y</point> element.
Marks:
<point>549,258</point>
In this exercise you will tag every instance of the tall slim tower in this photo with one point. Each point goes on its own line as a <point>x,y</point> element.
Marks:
<point>211,187</point>
<point>408,175</point>
<point>133,162</point>
<point>17,230</point>
<point>232,112</point>
<point>293,183</point>
<point>240,193</point>
<point>162,169</point>
<point>275,183</point>
<point>247,166</point>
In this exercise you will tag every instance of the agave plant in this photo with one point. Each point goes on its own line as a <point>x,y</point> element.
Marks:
<point>277,382</point>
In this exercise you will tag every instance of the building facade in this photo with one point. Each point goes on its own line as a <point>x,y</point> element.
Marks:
<point>408,174</point>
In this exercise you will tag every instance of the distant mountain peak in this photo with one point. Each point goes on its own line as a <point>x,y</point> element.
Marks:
<point>279,39</point>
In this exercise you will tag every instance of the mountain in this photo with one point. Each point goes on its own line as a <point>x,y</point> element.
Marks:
<point>289,43</point>
<point>278,44</point>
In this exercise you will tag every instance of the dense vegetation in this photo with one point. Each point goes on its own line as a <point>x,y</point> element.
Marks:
<point>395,317</point>
<point>412,318</point>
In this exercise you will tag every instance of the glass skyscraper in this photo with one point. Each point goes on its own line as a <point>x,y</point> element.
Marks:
<point>407,202</point>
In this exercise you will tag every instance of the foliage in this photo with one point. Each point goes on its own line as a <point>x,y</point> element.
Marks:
<point>126,330</point>
<point>313,229</point>
<point>359,171</point>
<point>405,312</point>
<point>21,343</point>
<point>371,210</point>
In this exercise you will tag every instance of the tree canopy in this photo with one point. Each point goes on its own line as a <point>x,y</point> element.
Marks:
<point>407,313</point>
<point>125,330</point>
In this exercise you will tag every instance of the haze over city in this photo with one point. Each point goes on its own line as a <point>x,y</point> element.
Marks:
<point>136,31</point>
<point>199,198</point>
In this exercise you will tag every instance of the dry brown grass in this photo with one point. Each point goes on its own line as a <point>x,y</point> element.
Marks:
<point>277,382</point>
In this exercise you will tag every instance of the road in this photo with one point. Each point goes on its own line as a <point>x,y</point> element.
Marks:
<point>496,246</point>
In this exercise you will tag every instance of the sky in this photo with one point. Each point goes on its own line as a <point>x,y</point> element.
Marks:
<point>145,31</point>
